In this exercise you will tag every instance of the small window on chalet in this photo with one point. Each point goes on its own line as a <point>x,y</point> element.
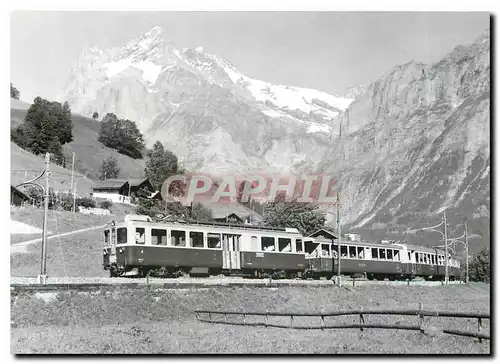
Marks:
<point>158,236</point>
<point>267,244</point>
<point>396,255</point>
<point>213,240</point>
<point>382,254</point>
<point>343,251</point>
<point>298,246</point>
<point>106,237</point>
<point>178,238</point>
<point>361,253</point>
<point>285,245</point>
<point>196,238</point>
<point>121,236</point>
<point>389,254</point>
<point>374,253</point>
<point>352,252</point>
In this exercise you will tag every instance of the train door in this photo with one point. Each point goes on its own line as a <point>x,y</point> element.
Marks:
<point>226,254</point>
<point>112,242</point>
<point>235,252</point>
<point>231,258</point>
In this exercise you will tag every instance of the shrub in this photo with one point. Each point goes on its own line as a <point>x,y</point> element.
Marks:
<point>86,202</point>
<point>106,204</point>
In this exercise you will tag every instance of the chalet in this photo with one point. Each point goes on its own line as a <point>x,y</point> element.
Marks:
<point>324,233</point>
<point>123,191</point>
<point>232,212</point>
<point>17,197</point>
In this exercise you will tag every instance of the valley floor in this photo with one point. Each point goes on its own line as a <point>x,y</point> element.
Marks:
<point>162,322</point>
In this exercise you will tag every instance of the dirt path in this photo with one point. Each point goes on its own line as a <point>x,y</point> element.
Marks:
<point>23,246</point>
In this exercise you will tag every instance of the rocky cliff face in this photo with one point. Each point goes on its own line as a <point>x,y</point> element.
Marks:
<point>417,142</point>
<point>414,142</point>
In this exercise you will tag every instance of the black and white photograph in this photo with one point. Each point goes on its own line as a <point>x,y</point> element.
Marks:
<point>250,181</point>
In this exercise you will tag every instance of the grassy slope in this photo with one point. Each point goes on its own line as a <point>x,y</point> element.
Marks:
<point>74,255</point>
<point>89,153</point>
<point>163,321</point>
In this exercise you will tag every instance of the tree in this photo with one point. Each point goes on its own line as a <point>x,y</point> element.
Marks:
<point>55,150</point>
<point>122,135</point>
<point>14,93</point>
<point>109,168</point>
<point>200,212</point>
<point>95,115</point>
<point>44,122</point>
<point>303,216</point>
<point>160,165</point>
<point>480,266</point>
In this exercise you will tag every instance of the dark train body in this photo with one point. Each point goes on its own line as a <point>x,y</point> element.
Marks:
<point>137,246</point>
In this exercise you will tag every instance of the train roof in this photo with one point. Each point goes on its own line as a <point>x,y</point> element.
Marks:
<point>147,219</point>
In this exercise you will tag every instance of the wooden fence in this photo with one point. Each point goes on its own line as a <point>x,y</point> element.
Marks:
<point>421,314</point>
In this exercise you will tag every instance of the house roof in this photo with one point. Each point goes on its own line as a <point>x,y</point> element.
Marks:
<point>109,183</point>
<point>137,181</point>
<point>324,232</point>
<point>220,210</point>
<point>19,193</point>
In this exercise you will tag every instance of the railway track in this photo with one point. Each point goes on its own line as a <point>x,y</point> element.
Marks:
<point>26,284</point>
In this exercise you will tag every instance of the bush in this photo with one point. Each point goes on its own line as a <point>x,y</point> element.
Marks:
<point>65,201</point>
<point>105,204</point>
<point>86,202</point>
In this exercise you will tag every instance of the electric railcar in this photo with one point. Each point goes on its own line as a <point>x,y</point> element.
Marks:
<point>138,246</point>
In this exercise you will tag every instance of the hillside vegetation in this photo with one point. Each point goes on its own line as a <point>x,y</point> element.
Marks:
<point>89,153</point>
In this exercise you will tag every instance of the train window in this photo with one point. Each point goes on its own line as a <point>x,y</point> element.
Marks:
<point>121,237</point>
<point>389,254</point>
<point>343,251</point>
<point>213,240</point>
<point>158,236</point>
<point>382,254</point>
<point>433,260</point>
<point>417,257</point>
<point>178,238</point>
<point>267,244</point>
<point>254,243</point>
<point>196,239</point>
<point>335,250</point>
<point>396,255</point>
<point>285,244</point>
<point>352,252</point>
<point>325,250</point>
<point>361,253</point>
<point>140,235</point>
<point>374,253</point>
<point>409,256</point>
<point>298,246</point>
<point>106,236</point>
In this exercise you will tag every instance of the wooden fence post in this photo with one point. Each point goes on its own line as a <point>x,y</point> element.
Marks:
<point>361,318</point>
<point>421,316</point>
<point>479,327</point>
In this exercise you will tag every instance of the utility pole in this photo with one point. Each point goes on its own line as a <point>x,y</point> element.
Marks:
<point>74,198</point>
<point>72,180</point>
<point>43,270</point>
<point>466,255</point>
<point>339,230</point>
<point>446,276</point>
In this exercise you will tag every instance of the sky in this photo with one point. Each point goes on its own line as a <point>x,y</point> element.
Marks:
<point>328,51</point>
